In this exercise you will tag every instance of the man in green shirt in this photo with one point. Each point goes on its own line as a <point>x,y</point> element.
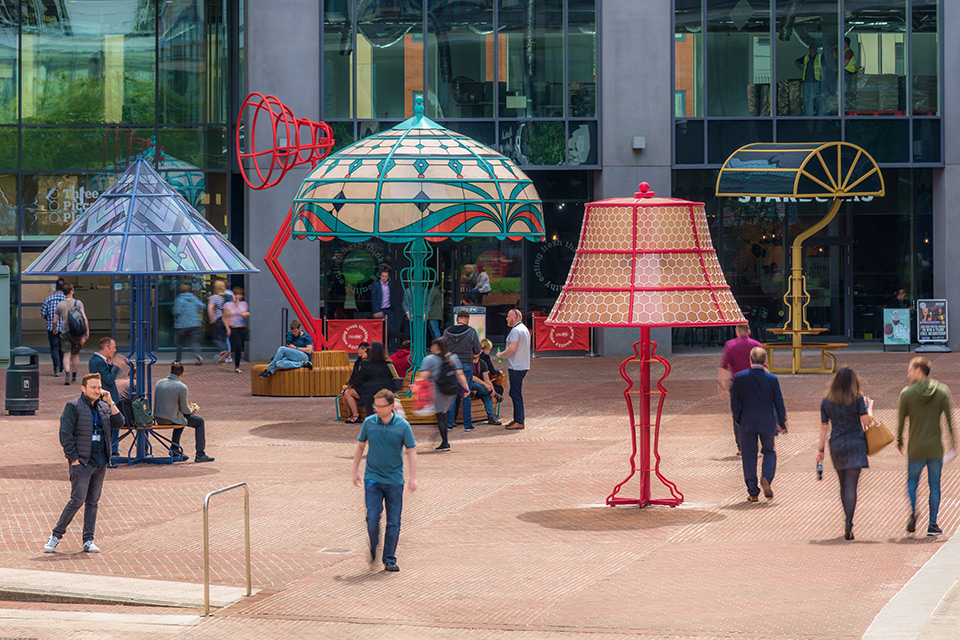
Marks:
<point>923,401</point>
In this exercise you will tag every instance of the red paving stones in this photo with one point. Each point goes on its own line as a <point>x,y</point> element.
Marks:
<point>506,536</point>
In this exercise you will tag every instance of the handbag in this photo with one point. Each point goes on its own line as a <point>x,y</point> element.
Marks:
<point>878,436</point>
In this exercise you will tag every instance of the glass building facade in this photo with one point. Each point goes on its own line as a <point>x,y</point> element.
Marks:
<point>87,87</point>
<point>860,71</point>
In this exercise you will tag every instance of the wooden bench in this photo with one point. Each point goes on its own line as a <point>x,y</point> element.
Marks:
<point>828,360</point>
<point>331,370</point>
<point>477,412</point>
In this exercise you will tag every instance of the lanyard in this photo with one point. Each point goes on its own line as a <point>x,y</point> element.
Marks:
<point>96,418</point>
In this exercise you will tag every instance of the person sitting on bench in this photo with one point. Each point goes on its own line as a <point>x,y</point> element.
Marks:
<point>296,352</point>
<point>350,395</point>
<point>170,406</point>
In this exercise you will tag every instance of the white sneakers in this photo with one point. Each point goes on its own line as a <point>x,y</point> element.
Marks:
<point>51,545</point>
<point>89,547</point>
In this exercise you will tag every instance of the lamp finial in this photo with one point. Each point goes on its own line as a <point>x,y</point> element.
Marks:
<point>418,106</point>
<point>644,191</point>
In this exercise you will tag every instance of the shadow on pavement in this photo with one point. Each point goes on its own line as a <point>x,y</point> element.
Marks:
<point>307,431</point>
<point>839,541</point>
<point>617,519</point>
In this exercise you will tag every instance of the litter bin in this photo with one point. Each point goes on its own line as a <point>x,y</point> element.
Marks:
<point>23,382</point>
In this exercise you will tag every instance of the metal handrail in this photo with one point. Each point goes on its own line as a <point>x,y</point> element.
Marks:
<point>206,541</point>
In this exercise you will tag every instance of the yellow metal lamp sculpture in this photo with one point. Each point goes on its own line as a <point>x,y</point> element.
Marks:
<point>835,170</point>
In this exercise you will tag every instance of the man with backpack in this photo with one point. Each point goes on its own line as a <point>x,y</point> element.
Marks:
<point>74,330</point>
<point>49,313</point>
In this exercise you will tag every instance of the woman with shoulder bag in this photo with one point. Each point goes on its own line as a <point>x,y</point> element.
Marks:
<point>376,373</point>
<point>847,413</point>
<point>439,363</point>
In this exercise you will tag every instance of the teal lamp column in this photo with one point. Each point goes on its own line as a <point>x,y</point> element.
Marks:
<point>415,184</point>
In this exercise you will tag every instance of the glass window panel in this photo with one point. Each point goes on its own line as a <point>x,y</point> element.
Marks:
<point>205,192</point>
<point>926,140</point>
<point>9,146</point>
<point>582,144</point>
<point>885,140</point>
<point>8,207</point>
<point>85,62</point>
<point>501,261</point>
<point>193,61</point>
<point>689,142</point>
<point>875,75</point>
<point>739,55</point>
<point>482,132</point>
<point>194,147</point>
<point>688,59</point>
<point>84,148</point>
<point>338,53</point>
<point>925,57</point>
<point>726,136</point>
<point>8,257</point>
<point>342,135</point>
<point>389,58</point>
<point>531,58</point>
<point>461,44</point>
<point>9,25</point>
<point>52,202</point>
<point>582,57</point>
<point>806,130</point>
<point>533,143</point>
<point>808,57</point>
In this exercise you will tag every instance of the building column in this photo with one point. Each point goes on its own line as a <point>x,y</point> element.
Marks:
<point>636,100</point>
<point>283,58</point>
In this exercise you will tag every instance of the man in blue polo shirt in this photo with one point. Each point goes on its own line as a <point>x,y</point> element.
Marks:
<point>296,352</point>
<point>388,435</point>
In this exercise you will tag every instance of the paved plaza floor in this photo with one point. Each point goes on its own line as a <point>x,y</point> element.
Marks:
<point>507,536</point>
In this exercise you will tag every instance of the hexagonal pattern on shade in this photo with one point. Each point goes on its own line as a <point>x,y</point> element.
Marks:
<point>417,180</point>
<point>645,261</point>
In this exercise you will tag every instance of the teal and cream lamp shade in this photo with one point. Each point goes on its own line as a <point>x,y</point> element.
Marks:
<point>417,180</point>
<point>140,226</point>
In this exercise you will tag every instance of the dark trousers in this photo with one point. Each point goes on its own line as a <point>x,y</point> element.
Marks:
<point>378,495</point>
<point>55,354</point>
<point>196,423</point>
<point>238,335</point>
<point>736,433</point>
<point>187,337</point>
<point>516,393</point>
<point>86,483</point>
<point>748,454</point>
<point>455,405</point>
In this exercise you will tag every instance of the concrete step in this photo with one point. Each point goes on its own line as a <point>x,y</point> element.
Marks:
<point>51,586</point>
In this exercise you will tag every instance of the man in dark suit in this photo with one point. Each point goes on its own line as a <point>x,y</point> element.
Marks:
<point>386,301</point>
<point>102,362</point>
<point>757,405</point>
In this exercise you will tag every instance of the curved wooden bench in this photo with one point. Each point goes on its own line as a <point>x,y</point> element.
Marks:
<point>331,370</point>
<point>477,412</point>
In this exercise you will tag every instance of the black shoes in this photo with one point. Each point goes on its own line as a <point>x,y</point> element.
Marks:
<point>111,465</point>
<point>265,374</point>
<point>767,491</point>
<point>494,422</point>
<point>848,532</point>
<point>308,365</point>
<point>934,530</point>
<point>912,522</point>
<point>202,457</point>
<point>391,566</point>
<point>443,447</point>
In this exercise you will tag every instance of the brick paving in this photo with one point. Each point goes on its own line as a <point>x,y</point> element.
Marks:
<point>507,536</point>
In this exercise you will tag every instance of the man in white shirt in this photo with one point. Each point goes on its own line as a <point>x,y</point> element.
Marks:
<point>517,355</point>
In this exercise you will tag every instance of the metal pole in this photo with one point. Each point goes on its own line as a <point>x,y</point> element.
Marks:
<point>644,416</point>
<point>206,541</point>
<point>418,281</point>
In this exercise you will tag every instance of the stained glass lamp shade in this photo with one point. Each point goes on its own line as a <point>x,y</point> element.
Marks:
<point>140,225</point>
<point>645,262</point>
<point>415,183</point>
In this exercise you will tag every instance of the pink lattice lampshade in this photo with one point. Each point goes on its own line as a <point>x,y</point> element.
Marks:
<point>645,261</point>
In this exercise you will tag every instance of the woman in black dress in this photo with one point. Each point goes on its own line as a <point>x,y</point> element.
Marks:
<point>848,414</point>
<point>376,373</point>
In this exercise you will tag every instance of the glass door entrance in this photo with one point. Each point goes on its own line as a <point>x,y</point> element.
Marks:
<point>829,271</point>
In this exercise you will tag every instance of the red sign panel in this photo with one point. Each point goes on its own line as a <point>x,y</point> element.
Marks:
<point>560,337</point>
<point>346,335</point>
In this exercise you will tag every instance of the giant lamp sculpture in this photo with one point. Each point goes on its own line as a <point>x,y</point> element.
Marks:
<point>645,262</point>
<point>797,171</point>
<point>411,184</point>
<point>140,227</point>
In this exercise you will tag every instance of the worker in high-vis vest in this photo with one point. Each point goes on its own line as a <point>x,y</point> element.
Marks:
<point>849,58</point>
<point>811,67</point>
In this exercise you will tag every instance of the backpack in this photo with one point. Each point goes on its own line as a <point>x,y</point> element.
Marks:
<point>142,417</point>
<point>76,327</point>
<point>447,382</point>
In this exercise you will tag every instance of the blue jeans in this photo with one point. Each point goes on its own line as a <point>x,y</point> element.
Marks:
<point>434,329</point>
<point>748,455</point>
<point>378,494</point>
<point>485,397</point>
<point>452,413</point>
<point>516,393</point>
<point>287,358</point>
<point>934,467</point>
